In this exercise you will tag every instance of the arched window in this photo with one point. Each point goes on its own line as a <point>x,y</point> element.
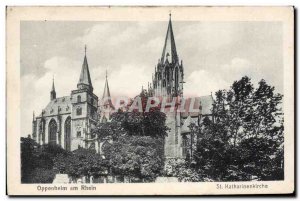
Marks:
<point>184,146</point>
<point>78,111</point>
<point>78,99</point>
<point>78,134</point>
<point>176,80</point>
<point>42,132</point>
<point>167,74</point>
<point>68,134</point>
<point>52,131</point>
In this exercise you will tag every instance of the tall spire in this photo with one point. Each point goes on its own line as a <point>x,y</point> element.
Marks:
<point>169,51</point>
<point>85,78</point>
<point>106,92</point>
<point>106,106</point>
<point>53,87</point>
<point>52,92</point>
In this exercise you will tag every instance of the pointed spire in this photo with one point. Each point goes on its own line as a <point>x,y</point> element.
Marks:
<point>53,87</point>
<point>33,116</point>
<point>85,78</point>
<point>106,94</point>
<point>169,51</point>
<point>52,92</point>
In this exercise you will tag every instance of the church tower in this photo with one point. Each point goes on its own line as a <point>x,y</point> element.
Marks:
<point>168,76</point>
<point>106,106</point>
<point>168,84</point>
<point>84,109</point>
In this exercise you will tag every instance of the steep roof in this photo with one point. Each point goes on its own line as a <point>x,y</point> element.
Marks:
<point>85,78</point>
<point>106,92</point>
<point>106,98</point>
<point>64,103</point>
<point>206,103</point>
<point>169,51</point>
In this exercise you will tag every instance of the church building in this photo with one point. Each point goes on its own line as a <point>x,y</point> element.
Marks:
<point>167,82</point>
<point>67,121</point>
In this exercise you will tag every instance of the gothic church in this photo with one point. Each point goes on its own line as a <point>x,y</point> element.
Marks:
<point>68,121</point>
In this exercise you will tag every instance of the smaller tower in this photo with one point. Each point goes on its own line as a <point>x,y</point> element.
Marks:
<point>84,109</point>
<point>52,93</point>
<point>106,106</point>
<point>85,78</point>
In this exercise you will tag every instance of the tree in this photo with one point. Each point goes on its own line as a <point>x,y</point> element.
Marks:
<point>138,141</point>
<point>136,157</point>
<point>245,139</point>
<point>28,158</point>
<point>81,162</point>
<point>37,161</point>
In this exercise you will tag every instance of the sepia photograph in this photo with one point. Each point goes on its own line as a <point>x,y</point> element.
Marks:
<point>192,96</point>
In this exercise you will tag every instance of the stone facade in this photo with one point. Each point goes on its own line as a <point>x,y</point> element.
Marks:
<point>167,82</point>
<point>67,121</point>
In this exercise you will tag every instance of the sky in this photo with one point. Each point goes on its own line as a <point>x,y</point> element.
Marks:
<point>214,54</point>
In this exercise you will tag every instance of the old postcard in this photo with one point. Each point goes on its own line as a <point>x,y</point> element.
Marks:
<point>150,100</point>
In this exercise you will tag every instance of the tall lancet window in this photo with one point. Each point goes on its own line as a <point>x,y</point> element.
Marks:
<point>42,131</point>
<point>176,80</point>
<point>52,131</point>
<point>167,74</point>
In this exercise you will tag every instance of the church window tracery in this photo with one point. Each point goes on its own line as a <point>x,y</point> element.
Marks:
<point>176,79</point>
<point>42,131</point>
<point>52,131</point>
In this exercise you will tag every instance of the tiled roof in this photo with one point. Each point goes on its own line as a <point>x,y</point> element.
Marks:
<point>205,101</point>
<point>85,77</point>
<point>64,103</point>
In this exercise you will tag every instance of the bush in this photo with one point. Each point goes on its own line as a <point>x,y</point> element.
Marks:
<point>41,175</point>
